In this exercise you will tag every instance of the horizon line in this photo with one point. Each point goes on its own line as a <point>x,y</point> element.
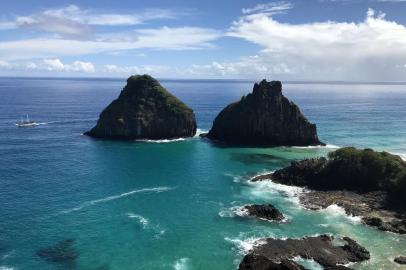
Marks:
<point>208,80</point>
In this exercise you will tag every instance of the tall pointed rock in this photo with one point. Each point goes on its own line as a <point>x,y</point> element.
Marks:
<point>145,110</point>
<point>265,118</point>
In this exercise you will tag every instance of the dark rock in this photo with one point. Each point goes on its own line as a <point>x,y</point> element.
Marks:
<point>62,252</point>
<point>264,117</point>
<point>364,182</point>
<point>372,221</point>
<point>356,252</point>
<point>400,260</point>
<point>338,267</point>
<point>349,168</point>
<point>268,212</point>
<point>259,262</point>
<point>371,206</point>
<point>321,249</point>
<point>145,110</point>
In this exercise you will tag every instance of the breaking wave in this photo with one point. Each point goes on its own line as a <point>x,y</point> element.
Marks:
<point>197,135</point>
<point>244,246</point>
<point>115,197</point>
<point>142,220</point>
<point>335,210</point>
<point>328,146</point>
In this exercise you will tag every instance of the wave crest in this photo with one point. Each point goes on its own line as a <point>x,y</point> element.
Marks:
<point>115,197</point>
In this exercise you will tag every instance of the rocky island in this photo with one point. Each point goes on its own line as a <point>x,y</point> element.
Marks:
<point>145,110</point>
<point>265,212</point>
<point>264,117</point>
<point>364,182</point>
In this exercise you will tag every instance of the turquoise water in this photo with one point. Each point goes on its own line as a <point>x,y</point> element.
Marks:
<point>170,205</point>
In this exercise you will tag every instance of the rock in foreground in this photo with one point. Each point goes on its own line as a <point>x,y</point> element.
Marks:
<point>278,254</point>
<point>268,212</point>
<point>265,118</point>
<point>145,110</point>
<point>400,260</point>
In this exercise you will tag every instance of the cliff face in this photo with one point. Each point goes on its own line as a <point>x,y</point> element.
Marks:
<point>145,110</point>
<point>264,117</point>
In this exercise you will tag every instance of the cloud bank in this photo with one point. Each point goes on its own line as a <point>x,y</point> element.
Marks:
<point>373,49</point>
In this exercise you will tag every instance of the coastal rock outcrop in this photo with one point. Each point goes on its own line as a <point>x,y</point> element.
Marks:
<point>268,212</point>
<point>264,117</point>
<point>145,110</point>
<point>278,253</point>
<point>400,260</point>
<point>364,182</point>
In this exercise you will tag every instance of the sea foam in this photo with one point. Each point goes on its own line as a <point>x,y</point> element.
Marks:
<point>328,146</point>
<point>142,220</point>
<point>198,133</point>
<point>265,189</point>
<point>335,210</point>
<point>230,212</point>
<point>181,264</point>
<point>245,245</point>
<point>115,197</point>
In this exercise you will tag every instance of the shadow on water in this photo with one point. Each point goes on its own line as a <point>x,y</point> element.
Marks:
<point>64,255</point>
<point>258,158</point>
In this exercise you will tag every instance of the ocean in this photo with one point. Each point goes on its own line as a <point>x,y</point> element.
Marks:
<point>171,204</point>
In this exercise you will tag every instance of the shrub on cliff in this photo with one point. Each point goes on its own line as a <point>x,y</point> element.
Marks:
<point>352,169</point>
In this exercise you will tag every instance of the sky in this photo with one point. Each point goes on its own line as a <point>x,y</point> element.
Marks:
<point>308,40</point>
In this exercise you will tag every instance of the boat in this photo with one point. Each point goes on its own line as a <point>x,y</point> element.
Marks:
<point>26,122</point>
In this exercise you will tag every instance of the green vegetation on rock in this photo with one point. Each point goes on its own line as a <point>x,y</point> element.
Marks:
<point>351,169</point>
<point>145,110</point>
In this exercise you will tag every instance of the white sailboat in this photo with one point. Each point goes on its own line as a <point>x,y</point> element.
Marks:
<point>26,122</point>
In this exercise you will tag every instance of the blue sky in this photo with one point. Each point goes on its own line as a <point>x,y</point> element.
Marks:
<point>350,40</point>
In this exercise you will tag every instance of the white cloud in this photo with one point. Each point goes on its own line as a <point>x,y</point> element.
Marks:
<point>269,8</point>
<point>53,64</point>
<point>50,65</point>
<point>91,17</point>
<point>154,70</point>
<point>163,38</point>
<point>61,26</point>
<point>368,50</point>
<point>71,21</point>
<point>4,64</point>
<point>57,65</point>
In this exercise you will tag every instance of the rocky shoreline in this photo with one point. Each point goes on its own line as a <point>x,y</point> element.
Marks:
<point>279,254</point>
<point>370,206</point>
<point>364,182</point>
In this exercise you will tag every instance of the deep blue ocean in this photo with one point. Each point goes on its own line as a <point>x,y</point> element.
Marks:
<point>171,205</point>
